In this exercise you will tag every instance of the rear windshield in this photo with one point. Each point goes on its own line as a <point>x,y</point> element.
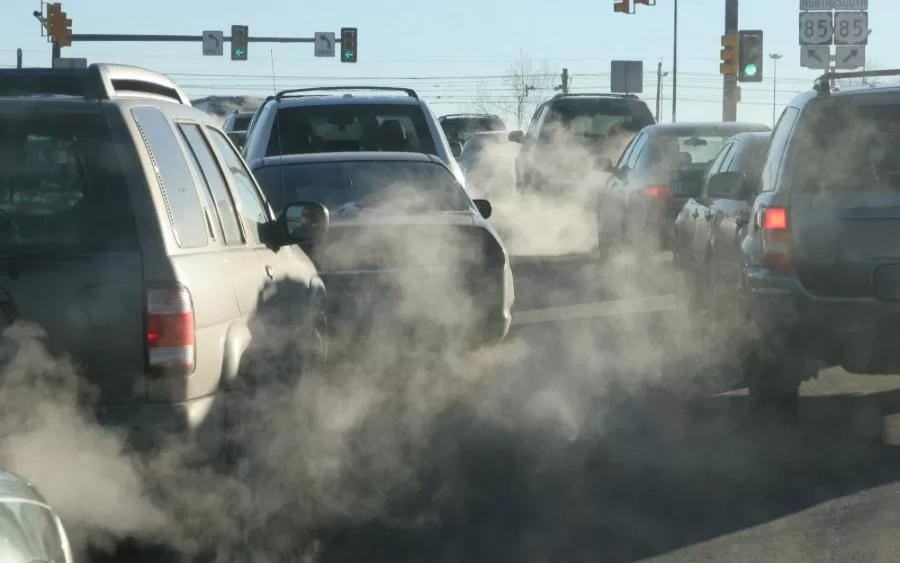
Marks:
<point>848,148</point>
<point>350,128</point>
<point>688,150</point>
<point>354,186</point>
<point>61,185</point>
<point>461,129</point>
<point>240,122</point>
<point>599,117</point>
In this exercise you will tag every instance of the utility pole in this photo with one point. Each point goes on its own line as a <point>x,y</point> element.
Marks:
<point>659,75</point>
<point>18,58</point>
<point>774,57</point>
<point>565,81</point>
<point>675,59</point>
<point>729,83</point>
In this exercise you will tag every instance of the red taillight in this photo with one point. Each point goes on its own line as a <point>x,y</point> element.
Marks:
<point>659,192</point>
<point>777,241</point>
<point>170,331</point>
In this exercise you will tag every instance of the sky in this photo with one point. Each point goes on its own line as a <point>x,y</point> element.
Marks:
<point>458,55</point>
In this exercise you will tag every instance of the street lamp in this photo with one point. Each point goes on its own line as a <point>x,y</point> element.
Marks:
<point>774,57</point>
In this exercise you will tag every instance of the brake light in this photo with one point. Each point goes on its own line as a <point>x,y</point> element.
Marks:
<point>659,191</point>
<point>777,241</point>
<point>171,345</point>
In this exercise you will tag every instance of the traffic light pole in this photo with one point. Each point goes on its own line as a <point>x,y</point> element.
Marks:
<point>117,37</point>
<point>729,83</point>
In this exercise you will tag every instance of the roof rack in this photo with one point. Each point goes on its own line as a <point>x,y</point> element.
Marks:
<point>823,87</point>
<point>285,93</point>
<point>96,82</point>
<point>594,95</point>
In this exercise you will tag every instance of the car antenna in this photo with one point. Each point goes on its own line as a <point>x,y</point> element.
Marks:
<point>278,128</point>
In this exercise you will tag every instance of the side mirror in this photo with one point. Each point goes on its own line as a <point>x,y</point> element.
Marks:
<point>303,222</point>
<point>727,185</point>
<point>686,190</point>
<point>516,137</point>
<point>238,138</point>
<point>484,207</point>
<point>455,149</point>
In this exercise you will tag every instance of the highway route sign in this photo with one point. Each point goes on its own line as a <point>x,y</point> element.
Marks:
<point>816,28</point>
<point>213,43</point>
<point>324,45</point>
<point>850,57</point>
<point>815,56</point>
<point>851,28</point>
<point>829,5</point>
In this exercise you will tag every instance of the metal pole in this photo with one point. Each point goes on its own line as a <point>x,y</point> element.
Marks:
<point>674,59</point>
<point>658,88</point>
<point>729,83</point>
<point>774,57</point>
<point>18,58</point>
<point>565,81</point>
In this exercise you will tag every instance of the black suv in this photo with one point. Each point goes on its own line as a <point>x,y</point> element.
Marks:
<point>818,276</point>
<point>600,123</point>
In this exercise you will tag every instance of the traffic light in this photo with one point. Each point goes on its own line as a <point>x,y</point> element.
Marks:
<point>729,55</point>
<point>622,7</point>
<point>348,44</point>
<point>751,56</point>
<point>239,40</point>
<point>59,28</point>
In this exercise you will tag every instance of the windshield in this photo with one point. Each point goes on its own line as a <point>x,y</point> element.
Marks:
<point>598,117</point>
<point>461,129</point>
<point>350,187</point>
<point>350,128</point>
<point>241,122</point>
<point>691,150</point>
<point>61,185</point>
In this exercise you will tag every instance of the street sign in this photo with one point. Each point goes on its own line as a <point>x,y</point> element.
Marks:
<point>851,28</point>
<point>850,57</point>
<point>815,56</point>
<point>816,28</point>
<point>324,44</point>
<point>834,5</point>
<point>626,77</point>
<point>213,43</point>
<point>69,62</point>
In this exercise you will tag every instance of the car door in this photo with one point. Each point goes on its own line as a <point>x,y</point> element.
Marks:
<point>706,209</point>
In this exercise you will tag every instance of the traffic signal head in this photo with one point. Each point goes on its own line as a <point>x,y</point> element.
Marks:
<point>729,55</point>
<point>348,44</point>
<point>622,7</point>
<point>751,56</point>
<point>239,41</point>
<point>59,28</point>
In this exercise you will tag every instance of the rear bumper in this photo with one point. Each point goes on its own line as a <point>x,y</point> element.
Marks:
<point>860,334</point>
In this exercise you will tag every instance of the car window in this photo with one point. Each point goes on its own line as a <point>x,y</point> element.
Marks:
<point>174,176</point>
<point>597,118</point>
<point>693,150</point>
<point>252,207</point>
<point>350,127</point>
<point>733,156</point>
<point>62,185</point>
<point>626,154</point>
<point>350,187</point>
<point>461,129</point>
<point>29,531</point>
<point>717,166</point>
<point>780,137</point>
<point>215,182</point>
<point>640,148</point>
<point>535,119</point>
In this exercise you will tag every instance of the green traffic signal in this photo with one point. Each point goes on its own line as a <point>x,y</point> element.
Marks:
<point>348,55</point>
<point>750,70</point>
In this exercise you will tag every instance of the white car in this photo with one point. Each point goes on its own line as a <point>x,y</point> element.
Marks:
<point>30,531</point>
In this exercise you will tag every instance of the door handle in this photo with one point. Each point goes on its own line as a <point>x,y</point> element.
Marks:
<point>270,272</point>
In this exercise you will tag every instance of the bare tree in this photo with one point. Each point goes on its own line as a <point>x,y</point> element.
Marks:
<point>524,86</point>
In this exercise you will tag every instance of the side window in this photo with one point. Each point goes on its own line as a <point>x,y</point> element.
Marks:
<point>623,158</point>
<point>535,119</point>
<point>174,177</point>
<point>718,165</point>
<point>778,145</point>
<point>252,207</point>
<point>215,182</point>
<point>640,148</point>
<point>729,163</point>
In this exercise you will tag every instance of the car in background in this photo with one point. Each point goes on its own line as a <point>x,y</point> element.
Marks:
<point>237,121</point>
<point>134,235</point>
<point>707,230</point>
<point>331,119</point>
<point>646,189</point>
<point>487,160</point>
<point>30,530</point>
<point>459,127</point>
<point>818,283</point>
<point>569,133</point>
<point>403,235</point>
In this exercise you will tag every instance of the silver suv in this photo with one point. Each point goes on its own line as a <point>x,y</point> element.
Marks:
<point>310,120</point>
<point>133,233</point>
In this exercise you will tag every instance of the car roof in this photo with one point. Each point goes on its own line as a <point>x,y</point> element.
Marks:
<point>13,486</point>
<point>349,156</point>
<point>687,128</point>
<point>886,90</point>
<point>753,136</point>
<point>333,100</point>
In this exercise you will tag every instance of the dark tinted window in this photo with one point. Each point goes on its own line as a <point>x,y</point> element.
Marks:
<point>174,176</point>
<point>240,122</point>
<point>780,137</point>
<point>850,148</point>
<point>62,184</point>
<point>461,129</point>
<point>29,531</point>
<point>215,182</point>
<point>599,117</point>
<point>350,187</point>
<point>350,127</point>
<point>251,206</point>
